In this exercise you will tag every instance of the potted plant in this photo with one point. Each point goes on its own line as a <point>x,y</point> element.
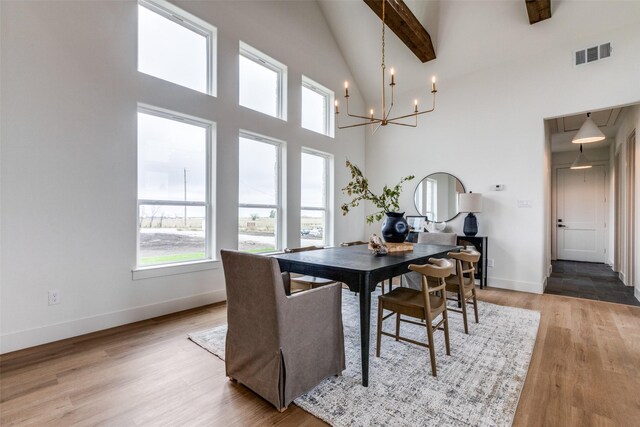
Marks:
<point>394,228</point>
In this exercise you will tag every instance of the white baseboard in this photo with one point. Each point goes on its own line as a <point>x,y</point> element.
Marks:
<point>636,292</point>
<point>621,277</point>
<point>549,270</point>
<point>31,337</point>
<point>534,288</point>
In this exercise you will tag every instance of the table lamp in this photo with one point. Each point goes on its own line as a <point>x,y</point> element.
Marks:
<point>470,202</point>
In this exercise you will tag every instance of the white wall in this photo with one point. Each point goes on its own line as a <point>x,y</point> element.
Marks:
<point>68,169</point>
<point>488,128</point>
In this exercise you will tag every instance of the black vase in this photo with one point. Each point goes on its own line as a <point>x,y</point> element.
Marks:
<point>394,227</point>
<point>470,225</point>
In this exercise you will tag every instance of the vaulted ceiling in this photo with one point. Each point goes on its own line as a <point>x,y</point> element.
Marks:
<point>467,36</point>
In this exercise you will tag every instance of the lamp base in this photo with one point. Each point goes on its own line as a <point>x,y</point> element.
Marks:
<point>470,225</point>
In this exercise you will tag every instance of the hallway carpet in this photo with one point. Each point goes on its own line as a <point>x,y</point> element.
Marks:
<point>589,280</point>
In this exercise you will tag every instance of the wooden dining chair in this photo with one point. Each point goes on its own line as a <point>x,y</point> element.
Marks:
<point>357,242</point>
<point>463,283</point>
<point>424,305</point>
<point>306,282</point>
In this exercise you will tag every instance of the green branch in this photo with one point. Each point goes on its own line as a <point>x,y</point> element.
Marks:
<point>358,189</point>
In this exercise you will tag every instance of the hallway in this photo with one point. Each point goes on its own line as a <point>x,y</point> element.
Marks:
<point>589,280</point>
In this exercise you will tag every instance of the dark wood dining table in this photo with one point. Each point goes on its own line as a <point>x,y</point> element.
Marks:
<point>361,272</point>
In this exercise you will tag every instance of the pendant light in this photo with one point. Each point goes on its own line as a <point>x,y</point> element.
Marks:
<point>384,118</point>
<point>581,162</point>
<point>588,132</point>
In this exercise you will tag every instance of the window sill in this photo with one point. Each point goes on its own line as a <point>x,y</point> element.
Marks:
<point>140,273</point>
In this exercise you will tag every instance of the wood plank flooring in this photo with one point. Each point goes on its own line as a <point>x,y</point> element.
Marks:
<point>585,370</point>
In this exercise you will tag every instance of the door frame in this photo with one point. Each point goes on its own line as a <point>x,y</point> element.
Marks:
<point>631,207</point>
<point>554,205</point>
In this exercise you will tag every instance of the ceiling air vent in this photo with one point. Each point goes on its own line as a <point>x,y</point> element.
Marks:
<point>592,54</point>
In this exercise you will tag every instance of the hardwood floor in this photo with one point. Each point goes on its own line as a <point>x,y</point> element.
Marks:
<point>585,370</point>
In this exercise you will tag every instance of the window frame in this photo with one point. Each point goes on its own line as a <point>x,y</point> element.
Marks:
<point>329,95</point>
<point>278,207</point>
<point>328,223</point>
<point>260,58</point>
<point>210,127</point>
<point>192,23</point>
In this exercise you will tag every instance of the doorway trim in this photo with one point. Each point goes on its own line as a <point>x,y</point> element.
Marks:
<point>631,204</point>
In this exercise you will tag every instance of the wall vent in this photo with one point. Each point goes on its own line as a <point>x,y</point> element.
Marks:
<point>592,54</point>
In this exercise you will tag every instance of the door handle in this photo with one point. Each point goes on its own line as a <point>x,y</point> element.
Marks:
<point>561,225</point>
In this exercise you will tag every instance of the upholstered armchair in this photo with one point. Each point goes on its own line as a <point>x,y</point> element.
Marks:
<point>278,345</point>
<point>438,238</point>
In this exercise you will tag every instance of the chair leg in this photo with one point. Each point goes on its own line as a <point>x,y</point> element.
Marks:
<point>397,326</point>
<point>475,305</point>
<point>379,334</point>
<point>446,331</point>
<point>464,311</point>
<point>432,351</point>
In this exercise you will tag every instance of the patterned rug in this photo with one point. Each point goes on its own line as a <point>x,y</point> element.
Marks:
<point>478,385</point>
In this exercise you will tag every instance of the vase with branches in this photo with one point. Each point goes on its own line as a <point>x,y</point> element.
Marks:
<point>387,202</point>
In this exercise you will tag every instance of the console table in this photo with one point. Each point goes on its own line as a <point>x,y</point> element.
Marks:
<point>480,242</point>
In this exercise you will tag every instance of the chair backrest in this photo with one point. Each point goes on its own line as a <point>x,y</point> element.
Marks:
<point>357,242</point>
<point>440,270</point>
<point>302,249</point>
<point>255,293</point>
<point>465,264</point>
<point>438,238</point>
<point>433,280</point>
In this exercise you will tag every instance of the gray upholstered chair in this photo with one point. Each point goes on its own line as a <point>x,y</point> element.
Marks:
<point>438,238</point>
<point>278,345</point>
<point>413,280</point>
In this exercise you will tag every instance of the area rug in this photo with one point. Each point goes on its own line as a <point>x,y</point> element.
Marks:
<point>478,385</point>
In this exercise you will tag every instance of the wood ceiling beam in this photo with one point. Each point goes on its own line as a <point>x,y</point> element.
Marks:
<point>538,10</point>
<point>406,26</point>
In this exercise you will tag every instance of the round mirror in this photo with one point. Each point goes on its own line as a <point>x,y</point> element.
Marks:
<point>436,196</point>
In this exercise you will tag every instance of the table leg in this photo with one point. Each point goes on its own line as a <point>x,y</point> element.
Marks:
<point>365,329</point>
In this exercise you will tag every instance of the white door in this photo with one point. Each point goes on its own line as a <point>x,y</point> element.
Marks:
<point>580,214</point>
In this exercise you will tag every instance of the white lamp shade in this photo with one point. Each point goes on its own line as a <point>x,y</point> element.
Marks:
<point>470,202</point>
<point>581,162</point>
<point>587,133</point>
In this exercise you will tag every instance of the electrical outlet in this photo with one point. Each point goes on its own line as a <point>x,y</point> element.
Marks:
<point>54,297</point>
<point>489,262</point>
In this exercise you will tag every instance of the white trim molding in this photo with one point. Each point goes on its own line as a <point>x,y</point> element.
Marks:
<point>13,341</point>
<point>533,288</point>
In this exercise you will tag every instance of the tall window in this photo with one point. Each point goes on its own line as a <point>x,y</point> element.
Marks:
<point>314,200</point>
<point>260,210</point>
<point>174,188</point>
<point>316,107</point>
<point>176,46</point>
<point>263,82</point>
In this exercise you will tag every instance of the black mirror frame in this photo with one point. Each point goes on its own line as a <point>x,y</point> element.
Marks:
<point>416,189</point>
